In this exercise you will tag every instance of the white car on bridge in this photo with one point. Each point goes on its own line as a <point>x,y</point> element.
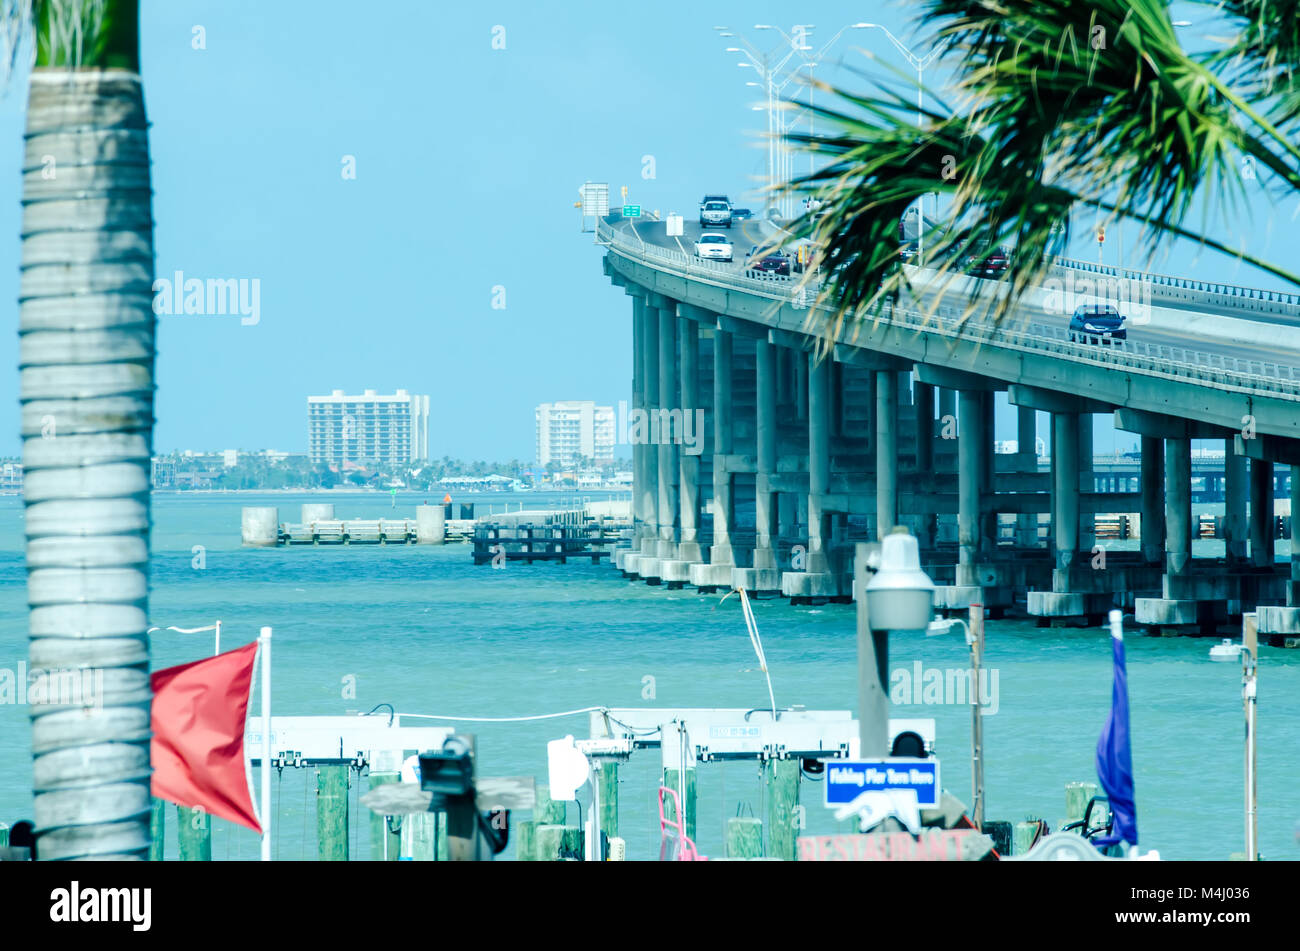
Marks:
<point>714,245</point>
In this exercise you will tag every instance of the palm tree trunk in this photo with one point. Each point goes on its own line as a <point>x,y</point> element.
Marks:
<point>86,327</point>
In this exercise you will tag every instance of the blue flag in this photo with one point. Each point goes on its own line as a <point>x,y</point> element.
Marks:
<point>1115,754</point>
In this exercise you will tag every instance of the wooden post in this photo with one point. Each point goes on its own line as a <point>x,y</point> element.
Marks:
<point>194,834</point>
<point>607,780</point>
<point>332,812</point>
<point>1022,836</point>
<point>423,837</point>
<point>670,780</point>
<point>1077,796</point>
<point>380,837</point>
<point>1249,688</point>
<point>783,810</point>
<point>157,830</point>
<point>545,812</point>
<point>548,841</point>
<point>744,838</point>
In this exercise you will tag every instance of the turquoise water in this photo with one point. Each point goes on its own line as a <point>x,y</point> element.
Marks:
<point>424,629</point>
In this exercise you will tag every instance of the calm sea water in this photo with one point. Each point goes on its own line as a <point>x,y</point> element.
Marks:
<point>425,630</point>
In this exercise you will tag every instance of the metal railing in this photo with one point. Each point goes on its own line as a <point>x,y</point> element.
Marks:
<point>1185,364</point>
<point>1183,283</point>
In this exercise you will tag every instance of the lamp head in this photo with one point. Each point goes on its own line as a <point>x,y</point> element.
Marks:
<point>900,595</point>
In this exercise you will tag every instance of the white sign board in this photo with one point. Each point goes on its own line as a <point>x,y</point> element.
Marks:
<point>372,739</point>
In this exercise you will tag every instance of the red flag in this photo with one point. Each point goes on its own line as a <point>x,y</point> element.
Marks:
<point>198,735</point>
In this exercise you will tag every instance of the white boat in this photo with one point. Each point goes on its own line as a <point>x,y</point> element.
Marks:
<point>1229,650</point>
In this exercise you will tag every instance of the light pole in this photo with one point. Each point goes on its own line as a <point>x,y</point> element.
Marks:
<point>919,63</point>
<point>770,70</point>
<point>898,597</point>
<point>975,640</point>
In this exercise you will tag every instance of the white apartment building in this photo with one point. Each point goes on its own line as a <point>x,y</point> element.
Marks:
<point>389,430</point>
<point>568,432</point>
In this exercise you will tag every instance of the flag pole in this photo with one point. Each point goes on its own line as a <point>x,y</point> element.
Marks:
<point>265,646</point>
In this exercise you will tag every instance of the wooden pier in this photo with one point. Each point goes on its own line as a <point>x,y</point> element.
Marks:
<point>495,544</point>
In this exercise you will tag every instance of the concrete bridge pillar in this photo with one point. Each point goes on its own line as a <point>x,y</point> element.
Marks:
<point>1234,504</point>
<point>688,549</point>
<point>1152,484</point>
<point>668,401</point>
<point>800,384</point>
<point>765,513</point>
<point>971,452</point>
<point>819,461</point>
<point>647,491</point>
<point>1261,513</point>
<point>1027,461</point>
<point>1087,481</point>
<point>988,474</point>
<point>887,384</point>
<point>1065,498</point>
<point>723,508</point>
<point>1293,589</point>
<point>640,515</point>
<point>1178,507</point>
<point>927,524</point>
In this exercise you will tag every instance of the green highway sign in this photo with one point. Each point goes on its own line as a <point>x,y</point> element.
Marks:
<point>631,211</point>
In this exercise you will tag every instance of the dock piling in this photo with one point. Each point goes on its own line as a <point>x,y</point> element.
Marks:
<point>744,838</point>
<point>332,812</point>
<point>194,834</point>
<point>783,811</point>
<point>670,780</point>
<point>157,830</point>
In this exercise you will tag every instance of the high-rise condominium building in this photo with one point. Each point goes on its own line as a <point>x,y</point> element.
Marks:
<point>571,431</point>
<point>389,430</point>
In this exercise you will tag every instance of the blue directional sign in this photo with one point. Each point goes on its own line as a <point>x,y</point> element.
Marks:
<point>846,780</point>
<point>631,211</point>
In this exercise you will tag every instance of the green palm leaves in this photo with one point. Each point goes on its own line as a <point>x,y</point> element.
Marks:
<point>1059,107</point>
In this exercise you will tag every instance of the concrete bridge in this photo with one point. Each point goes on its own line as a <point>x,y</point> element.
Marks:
<point>807,450</point>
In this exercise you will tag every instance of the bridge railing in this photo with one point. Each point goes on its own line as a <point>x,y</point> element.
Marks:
<point>1184,283</point>
<point>1179,363</point>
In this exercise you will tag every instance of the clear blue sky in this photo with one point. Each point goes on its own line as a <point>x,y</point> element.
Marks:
<point>468,160</point>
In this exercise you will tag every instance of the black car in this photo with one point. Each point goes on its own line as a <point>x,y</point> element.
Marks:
<point>1097,323</point>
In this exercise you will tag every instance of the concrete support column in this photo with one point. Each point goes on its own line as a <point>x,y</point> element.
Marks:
<point>1293,589</point>
<point>639,514</point>
<point>765,515</point>
<point>688,548</point>
<point>1234,504</point>
<point>971,450</point>
<point>1178,506</point>
<point>720,553</point>
<point>1087,482</point>
<point>1027,461</point>
<point>1065,498</point>
<point>1151,483</point>
<point>648,491</point>
<point>988,475</point>
<point>819,461</point>
<point>886,451</point>
<point>801,385</point>
<point>1261,513</point>
<point>668,401</point>
<point>927,526</point>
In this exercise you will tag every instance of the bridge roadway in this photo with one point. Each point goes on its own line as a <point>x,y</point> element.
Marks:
<point>895,428</point>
